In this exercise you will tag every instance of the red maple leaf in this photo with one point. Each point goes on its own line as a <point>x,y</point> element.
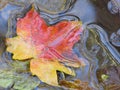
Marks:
<point>43,43</point>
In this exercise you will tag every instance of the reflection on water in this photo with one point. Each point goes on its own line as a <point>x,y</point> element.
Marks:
<point>4,16</point>
<point>104,42</point>
<point>85,10</point>
<point>94,47</point>
<point>115,38</point>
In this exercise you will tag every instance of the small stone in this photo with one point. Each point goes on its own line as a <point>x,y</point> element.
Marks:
<point>114,6</point>
<point>53,7</point>
<point>115,38</point>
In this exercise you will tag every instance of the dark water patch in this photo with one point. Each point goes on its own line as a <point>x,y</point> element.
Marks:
<point>2,45</point>
<point>109,21</point>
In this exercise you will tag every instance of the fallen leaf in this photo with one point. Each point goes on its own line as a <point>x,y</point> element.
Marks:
<point>49,47</point>
<point>25,82</point>
<point>10,77</point>
<point>46,70</point>
<point>6,78</point>
<point>20,48</point>
<point>75,85</point>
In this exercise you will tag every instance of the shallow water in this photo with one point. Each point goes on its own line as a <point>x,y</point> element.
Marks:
<point>95,46</point>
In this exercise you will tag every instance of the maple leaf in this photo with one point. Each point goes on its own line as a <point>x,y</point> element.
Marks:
<point>47,46</point>
<point>47,70</point>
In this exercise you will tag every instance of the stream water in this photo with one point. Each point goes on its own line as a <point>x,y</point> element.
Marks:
<point>99,44</point>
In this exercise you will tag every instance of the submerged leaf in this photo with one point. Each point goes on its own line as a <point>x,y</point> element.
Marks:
<point>19,80</point>
<point>104,77</point>
<point>113,77</point>
<point>26,82</point>
<point>47,46</point>
<point>6,78</point>
<point>75,85</point>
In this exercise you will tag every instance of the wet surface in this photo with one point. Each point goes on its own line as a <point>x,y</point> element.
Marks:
<point>100,44</point>
<point>114,6</point>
